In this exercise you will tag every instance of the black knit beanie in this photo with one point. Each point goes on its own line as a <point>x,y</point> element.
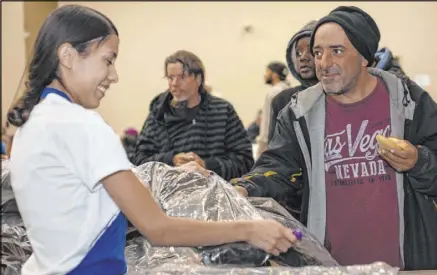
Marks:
<point>359,27</point>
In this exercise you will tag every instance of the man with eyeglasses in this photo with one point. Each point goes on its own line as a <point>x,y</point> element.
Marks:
<point>186,123</point>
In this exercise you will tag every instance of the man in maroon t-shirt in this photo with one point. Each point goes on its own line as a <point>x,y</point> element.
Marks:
<point>364,203</point>
<point>361,198</point>
<point>362,217</point>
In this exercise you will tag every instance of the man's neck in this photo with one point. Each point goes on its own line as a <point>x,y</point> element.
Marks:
<point>312,82</point>
<point>363,87</point>
<point>275,81</point>
<point>194,100</point>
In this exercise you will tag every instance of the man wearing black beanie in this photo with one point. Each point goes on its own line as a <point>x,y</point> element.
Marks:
<point>359,27</point>
<point>365,201</point>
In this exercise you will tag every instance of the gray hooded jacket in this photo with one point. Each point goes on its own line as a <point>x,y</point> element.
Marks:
<point>292,169</point>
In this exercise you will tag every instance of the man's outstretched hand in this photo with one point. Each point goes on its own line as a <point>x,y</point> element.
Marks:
<point>183,158</point>
<point>242,191</point>
<point>194,167</point>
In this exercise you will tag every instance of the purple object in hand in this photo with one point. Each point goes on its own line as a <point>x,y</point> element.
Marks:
<point>298,234</point>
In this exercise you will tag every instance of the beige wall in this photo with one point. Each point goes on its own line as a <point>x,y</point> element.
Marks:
<point>21,22</point>
<point>235,63</point>
<point>35,13</point>
<point>13,51</point>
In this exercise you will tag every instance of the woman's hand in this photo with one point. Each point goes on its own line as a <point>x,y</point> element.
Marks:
<point>271,236</point>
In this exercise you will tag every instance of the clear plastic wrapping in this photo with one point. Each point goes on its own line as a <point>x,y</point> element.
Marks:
<point>7,193</point>
<point>178,269</point>
<point>311,251</point>
<point>15,247</point>
<point>183,194</point>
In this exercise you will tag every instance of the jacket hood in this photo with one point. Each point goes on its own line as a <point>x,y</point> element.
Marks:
<point>290,56</point>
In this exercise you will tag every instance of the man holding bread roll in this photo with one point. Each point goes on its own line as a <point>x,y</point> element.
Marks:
<point>400,154</point>
<point>357,153</point>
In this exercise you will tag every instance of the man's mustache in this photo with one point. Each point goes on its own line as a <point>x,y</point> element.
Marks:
<point>330,71</point>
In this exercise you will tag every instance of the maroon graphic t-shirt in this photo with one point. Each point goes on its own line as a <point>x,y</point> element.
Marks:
<point>362,217</point>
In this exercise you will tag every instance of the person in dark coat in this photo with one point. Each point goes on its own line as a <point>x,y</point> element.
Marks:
<point>364,202</point>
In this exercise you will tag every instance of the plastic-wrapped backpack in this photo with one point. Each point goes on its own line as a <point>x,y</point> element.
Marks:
<point>191,195</point>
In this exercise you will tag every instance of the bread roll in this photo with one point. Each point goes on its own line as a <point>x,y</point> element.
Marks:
<point>389,143</point>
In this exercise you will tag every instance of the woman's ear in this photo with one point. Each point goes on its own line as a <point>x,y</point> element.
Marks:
<point>66,54</point>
